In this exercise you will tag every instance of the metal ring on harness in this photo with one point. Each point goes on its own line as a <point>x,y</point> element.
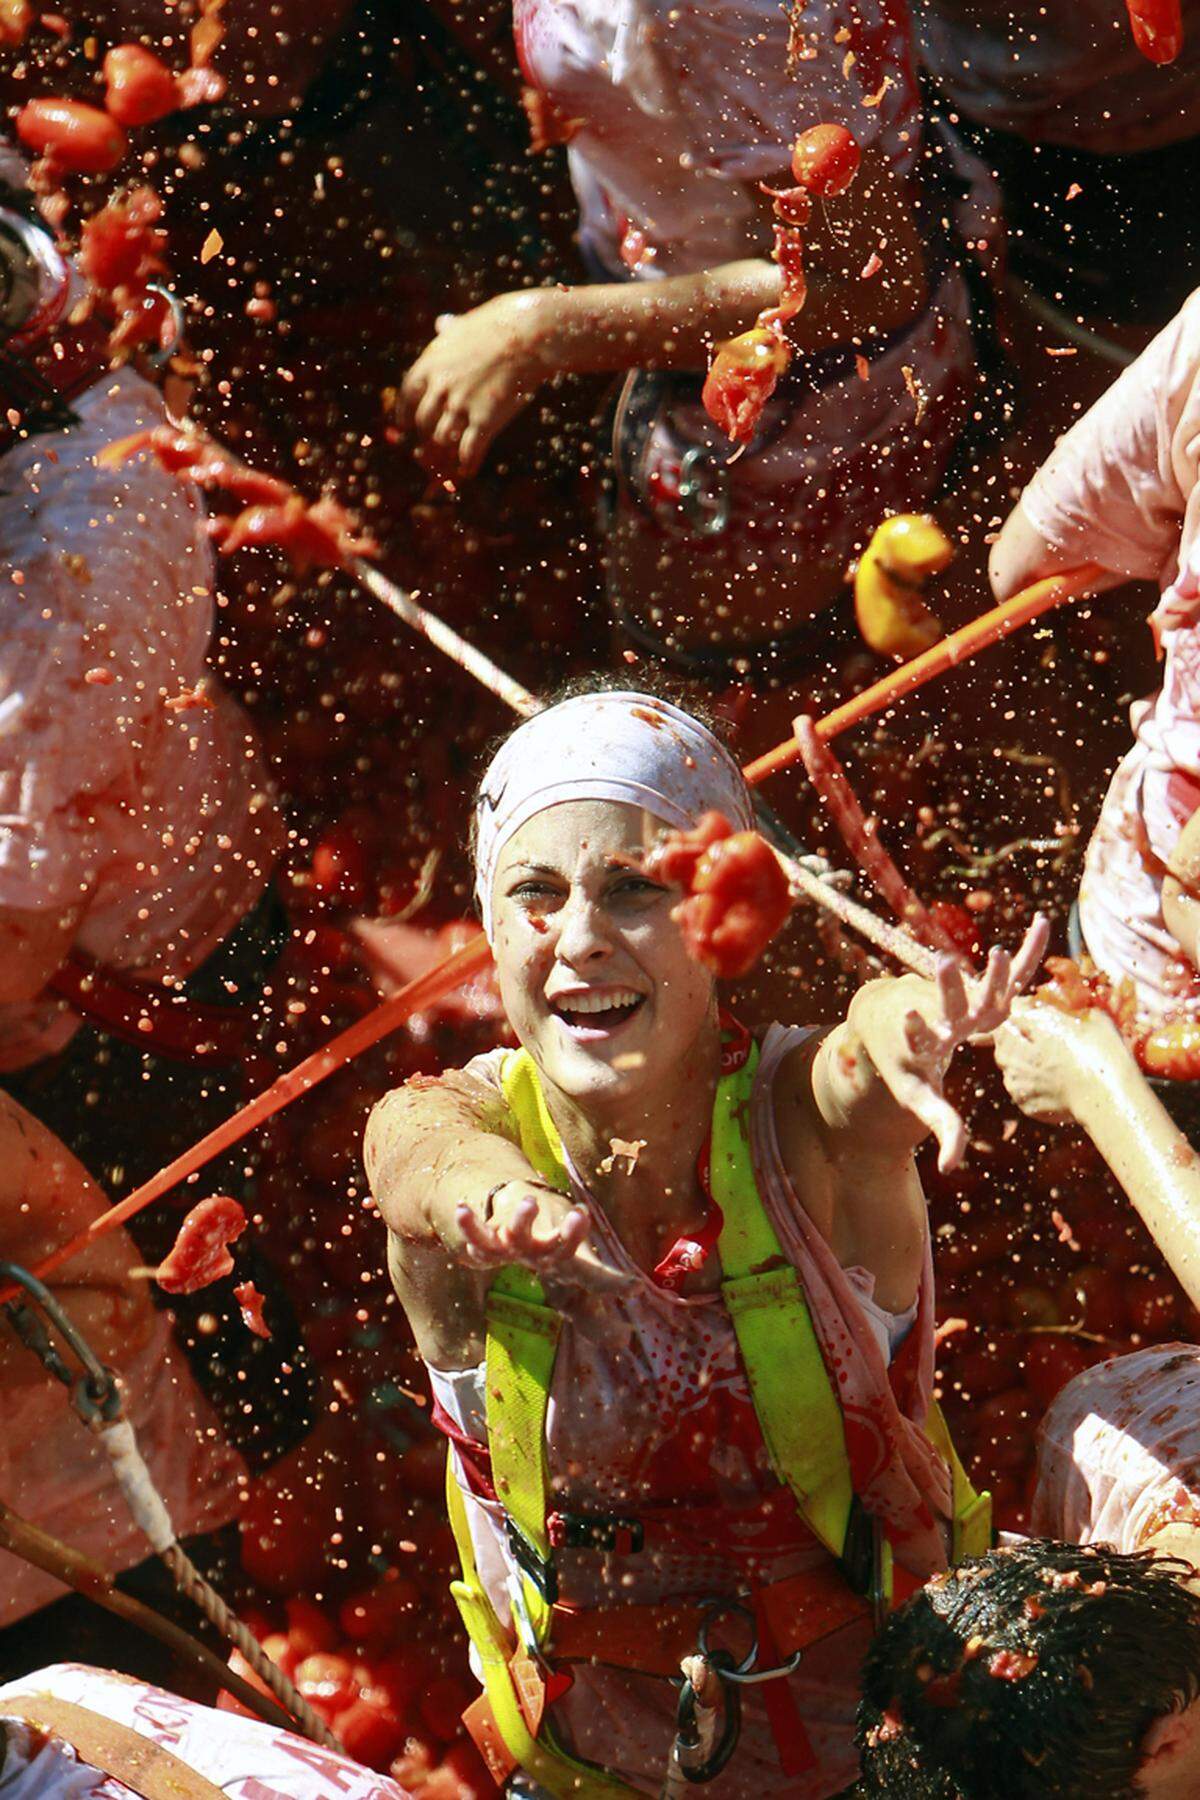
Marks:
<point>742,1674</point>
<point>687,1732</point>
<point>94,1395</point>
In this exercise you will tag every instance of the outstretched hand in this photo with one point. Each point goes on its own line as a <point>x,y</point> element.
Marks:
<point>966,1009</point>
<point>540,1230</point>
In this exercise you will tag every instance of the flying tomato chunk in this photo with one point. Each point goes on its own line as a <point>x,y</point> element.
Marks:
<point>319,533</point>
<point>825,160</point>
<point>192,453</point>
<point>677,857</point>
<point>742,378</point>
<point>890,582</point>
<point>123,245</point>
<point>251,1303</point>
<point>74,139</point>
<point>200,1253</point>
<point>737,892</point>
<point>141,90</point>
<point>1157,28</point>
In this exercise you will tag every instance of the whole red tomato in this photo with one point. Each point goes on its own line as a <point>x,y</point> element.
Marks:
<point>825,160</point>
<point>75,139</point>
<point>139,88</point>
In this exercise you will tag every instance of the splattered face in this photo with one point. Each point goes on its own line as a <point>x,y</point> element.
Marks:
<point>593,971</point>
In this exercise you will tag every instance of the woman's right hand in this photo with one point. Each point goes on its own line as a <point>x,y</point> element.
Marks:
<point>541,1230</point>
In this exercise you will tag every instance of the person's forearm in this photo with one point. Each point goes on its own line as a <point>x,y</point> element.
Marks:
<point>674,323</point>
<point>851,1094</point>
<point>1148,1155</point>
<point>433,1148</point>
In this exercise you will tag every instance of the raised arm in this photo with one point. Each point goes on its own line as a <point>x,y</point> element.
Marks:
<point>878,1077</point>
<point>1115,488</point>
<point>1064,1067</point>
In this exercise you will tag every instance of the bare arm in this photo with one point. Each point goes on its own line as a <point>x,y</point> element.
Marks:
<point>1067,1066</point>
<point>877,1079</point>
<point>447,1173</point>
<point>486,364</point>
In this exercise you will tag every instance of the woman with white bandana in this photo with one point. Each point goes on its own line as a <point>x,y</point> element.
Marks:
<point>599,1182</point>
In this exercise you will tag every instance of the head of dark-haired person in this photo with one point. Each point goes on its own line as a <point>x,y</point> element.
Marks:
<point>1043,1669</point>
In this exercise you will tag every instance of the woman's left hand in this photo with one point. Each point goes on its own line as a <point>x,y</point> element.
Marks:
<point>477,374</point>
<point>957,1008</point>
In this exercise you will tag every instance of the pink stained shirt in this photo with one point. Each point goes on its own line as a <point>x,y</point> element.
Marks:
<point>1119,1450</point>
<point>116,793</point>
<point>1122,489</point>
<point>246,1758</point>
<point>682,107</point>
<point>666,1418</point>
<point>1067,73</point>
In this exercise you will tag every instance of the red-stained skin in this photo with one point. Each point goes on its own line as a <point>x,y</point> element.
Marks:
<point>200,1253</point>
<point>74,139</point>
<point>251,1303</point>
<point>1157,28</point>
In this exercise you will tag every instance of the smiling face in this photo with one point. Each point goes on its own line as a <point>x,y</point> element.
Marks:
<point>593,971</point>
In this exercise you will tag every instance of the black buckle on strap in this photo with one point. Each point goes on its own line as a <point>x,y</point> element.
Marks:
<point>540,1569</point>
<point>617,1533</point>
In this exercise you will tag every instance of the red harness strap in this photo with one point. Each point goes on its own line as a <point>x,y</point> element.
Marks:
<point>160,1020</point>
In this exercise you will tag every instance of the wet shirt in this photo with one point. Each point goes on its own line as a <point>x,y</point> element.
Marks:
<point>121,788</point>
<point>1121,490</point>
<point>1119,1450</point>
<point>663,1424</point>
<point>680,108</point>
<point>1064,73</point>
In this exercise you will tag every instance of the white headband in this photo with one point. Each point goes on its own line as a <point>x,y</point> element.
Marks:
<point>607,746</point>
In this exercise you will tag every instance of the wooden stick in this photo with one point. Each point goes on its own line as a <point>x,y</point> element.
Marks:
<point>418,618</point>
<point>962,644</point>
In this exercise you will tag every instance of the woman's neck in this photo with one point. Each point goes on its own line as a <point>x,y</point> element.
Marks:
<point>640,1158</point>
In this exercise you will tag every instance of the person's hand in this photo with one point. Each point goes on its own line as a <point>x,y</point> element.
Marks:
<point>541,1230</point>
<point>1044,1054</point>
<point>913,1062</point>
<point>477,374</point>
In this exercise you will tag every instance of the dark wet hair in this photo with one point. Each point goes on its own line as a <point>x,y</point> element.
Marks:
<point>1033,1671</point>
<point>655,686</point>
